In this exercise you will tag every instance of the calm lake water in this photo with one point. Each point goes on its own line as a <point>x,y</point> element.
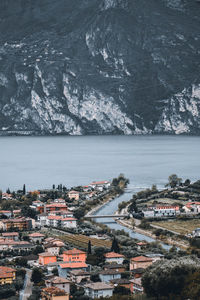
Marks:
<point>40,162</point>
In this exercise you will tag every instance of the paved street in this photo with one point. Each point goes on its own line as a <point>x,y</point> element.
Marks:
<point>28,286</point>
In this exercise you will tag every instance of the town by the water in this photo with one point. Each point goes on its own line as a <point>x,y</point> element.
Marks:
<point>55,245</point>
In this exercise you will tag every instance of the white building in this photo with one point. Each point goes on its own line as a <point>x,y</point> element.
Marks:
<point>59,282</point>
<point>196,232</point>
<point>100,185</point>
<point>163,211</point>
<point>68,223</point>
<point>113,257</point>
<point>98,289</point>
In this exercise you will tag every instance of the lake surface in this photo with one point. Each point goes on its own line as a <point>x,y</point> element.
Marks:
<point>40,162</point>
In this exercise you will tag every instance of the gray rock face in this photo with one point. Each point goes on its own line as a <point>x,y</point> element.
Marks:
<point>99,67</point>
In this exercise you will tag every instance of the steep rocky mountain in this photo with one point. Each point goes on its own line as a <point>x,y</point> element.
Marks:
<point>99,66</point>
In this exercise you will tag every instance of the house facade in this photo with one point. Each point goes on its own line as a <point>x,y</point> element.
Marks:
<point>16,223</point>
<point>140,262</point>
<point>73,195</point>
<point>54,293</point>
<point>7,275</point>
<point>113,257</point>
<point>46,258</point>
<point>65,267</point>
<point>59,282</point>
<point>36,237</point>
<point>74,255</point>
<point>11,235</point>
<point>98,289</point>
<point>164,211</point>
<point>108,275</point>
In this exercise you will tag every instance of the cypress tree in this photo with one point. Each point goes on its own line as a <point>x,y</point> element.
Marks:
<point>24,189</point>
<point>89,251</point>
<point>115,246</point>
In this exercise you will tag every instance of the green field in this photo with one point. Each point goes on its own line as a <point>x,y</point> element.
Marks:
<point>182,227</point>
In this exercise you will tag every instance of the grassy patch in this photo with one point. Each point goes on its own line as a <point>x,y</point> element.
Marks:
<point>79,240</point>
<point>180,226</point>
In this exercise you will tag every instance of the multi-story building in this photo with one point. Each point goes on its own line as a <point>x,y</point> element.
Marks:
<point>100,185</point>
<point>74,255</point>
<point>17,223</point>
<point>7,275</point>
<point>59,282</point>
<point>36,237</point>
<point>108,275</point>
<point>47,258</point>
<point>98,289</point>
<point>11,235</point>
<point>161,211</point>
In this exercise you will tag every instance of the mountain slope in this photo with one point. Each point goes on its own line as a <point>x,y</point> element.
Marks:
<point>99,66</point>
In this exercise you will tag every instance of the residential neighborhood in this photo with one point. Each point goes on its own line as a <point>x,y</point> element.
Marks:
<point>51,250</point>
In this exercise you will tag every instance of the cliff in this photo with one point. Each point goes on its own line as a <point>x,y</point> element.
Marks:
<point>99,67</point>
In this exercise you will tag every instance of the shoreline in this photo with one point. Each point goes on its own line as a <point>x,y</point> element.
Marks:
<point>151,235</point>
<point>98,207</point>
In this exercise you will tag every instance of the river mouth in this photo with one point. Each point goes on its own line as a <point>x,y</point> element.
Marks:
<point>111,207</point>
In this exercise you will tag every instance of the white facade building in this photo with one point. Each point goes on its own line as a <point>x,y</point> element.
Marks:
<point>98,289</point>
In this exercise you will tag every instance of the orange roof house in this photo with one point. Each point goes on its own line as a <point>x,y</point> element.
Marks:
<point>74,255</point>
<point>114,257</point>
<point>47,258</point>
<point>7,275</point>
<point>140,262</point>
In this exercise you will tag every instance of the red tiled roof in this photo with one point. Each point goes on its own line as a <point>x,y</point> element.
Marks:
<point>6,272</point>
<point>54,217</point>
<point>10,234</point>
<point>113,255</point>
<point>167,207</point>
<point>46,254</point>
<point>36,234</point>
<point>74,251</point>
<point>141,259</point>
<point>73,265</point>
<point>68,219</point>
<point>99,182</point>
<point>57,205</point>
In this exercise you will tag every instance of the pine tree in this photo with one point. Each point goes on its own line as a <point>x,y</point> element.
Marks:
<point>89,251</point>
<point>115,246</point>
<point>24,189</point>
<point>8,191</point>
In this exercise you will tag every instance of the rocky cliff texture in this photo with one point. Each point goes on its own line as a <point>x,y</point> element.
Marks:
<point>99,66</point>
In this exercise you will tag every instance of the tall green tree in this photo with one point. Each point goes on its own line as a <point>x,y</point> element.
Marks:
<point>89,250</point>
<point>166,279</point>
<point>24,189</point>
<point>37,275</point>
<point>173,181</point>
<point>115,246</point>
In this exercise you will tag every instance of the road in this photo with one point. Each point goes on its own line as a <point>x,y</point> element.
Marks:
<point>27,291</point>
